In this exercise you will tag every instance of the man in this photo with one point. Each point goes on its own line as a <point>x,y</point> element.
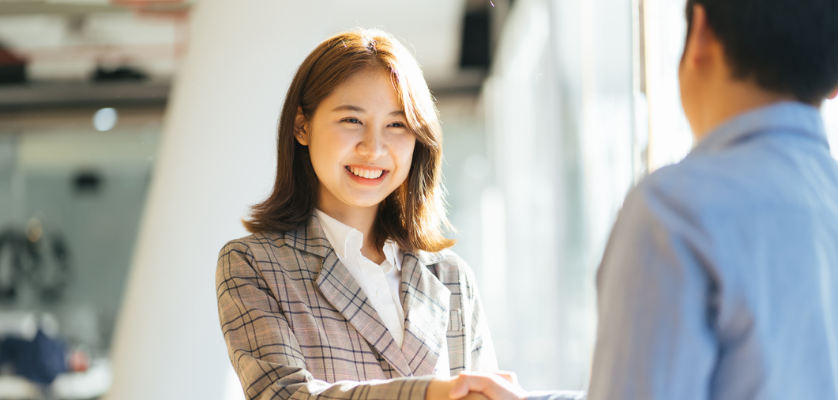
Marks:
<point>720,280</point>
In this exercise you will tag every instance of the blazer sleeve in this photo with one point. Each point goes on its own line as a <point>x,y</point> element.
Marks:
<point>264,351</point>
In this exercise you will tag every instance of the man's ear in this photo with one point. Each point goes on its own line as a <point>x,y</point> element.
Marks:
<point>702,46</point>
<point>300,127</point>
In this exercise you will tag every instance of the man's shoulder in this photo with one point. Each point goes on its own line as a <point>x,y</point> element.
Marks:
<point>723,182</point>
<point>683,186</point>
<point>731,190</point>
<point>774,168</point>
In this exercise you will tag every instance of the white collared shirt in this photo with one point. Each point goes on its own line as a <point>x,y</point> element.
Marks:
<point>380,283</point>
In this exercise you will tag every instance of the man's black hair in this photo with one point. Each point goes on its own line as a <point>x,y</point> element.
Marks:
<point>785,46</point>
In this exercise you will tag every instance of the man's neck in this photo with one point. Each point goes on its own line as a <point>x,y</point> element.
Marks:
<point>726,100</point>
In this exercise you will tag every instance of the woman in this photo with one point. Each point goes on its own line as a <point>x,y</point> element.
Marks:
<point>345,283</point>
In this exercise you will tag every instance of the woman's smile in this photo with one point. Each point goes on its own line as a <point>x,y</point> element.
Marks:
<point>368,176</point>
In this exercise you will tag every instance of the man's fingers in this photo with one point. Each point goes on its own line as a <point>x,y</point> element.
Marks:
<point>510,376</point>
<point>466,383</point>
<point>475,396</point>
<point>490,385</point>
<point>459,390</point>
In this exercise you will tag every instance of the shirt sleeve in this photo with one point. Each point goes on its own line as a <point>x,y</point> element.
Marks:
<point>264,351</point>
<point>557,395</point>
<point>655,338</point>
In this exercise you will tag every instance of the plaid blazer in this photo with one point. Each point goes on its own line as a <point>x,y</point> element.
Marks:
<point>297,325</point>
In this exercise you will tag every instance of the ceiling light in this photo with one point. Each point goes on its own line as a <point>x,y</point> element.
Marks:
<point>104,119</point>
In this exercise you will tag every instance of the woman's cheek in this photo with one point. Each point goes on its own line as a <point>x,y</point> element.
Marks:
<point>406,146</point>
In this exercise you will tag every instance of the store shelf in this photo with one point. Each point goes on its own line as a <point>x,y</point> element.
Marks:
<point>51,95</point>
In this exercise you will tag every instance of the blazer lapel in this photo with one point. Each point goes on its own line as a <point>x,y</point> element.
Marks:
<point>343,292</point>
<point>426,304</point>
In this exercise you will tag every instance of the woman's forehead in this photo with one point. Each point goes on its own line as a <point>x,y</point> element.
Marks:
<point>365,91</point>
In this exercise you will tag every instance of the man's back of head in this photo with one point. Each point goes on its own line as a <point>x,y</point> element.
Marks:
<point>785,46</point>
<point>768,50</point>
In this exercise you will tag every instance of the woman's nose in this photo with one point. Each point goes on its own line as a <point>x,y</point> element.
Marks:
<point>372,145</point>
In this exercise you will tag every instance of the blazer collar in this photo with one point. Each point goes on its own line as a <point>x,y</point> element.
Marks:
<point>310,238</point>
<point>424,298</point>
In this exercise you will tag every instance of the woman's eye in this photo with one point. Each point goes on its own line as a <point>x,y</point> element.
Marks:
<point>397,125</point>
<point>351,120</point>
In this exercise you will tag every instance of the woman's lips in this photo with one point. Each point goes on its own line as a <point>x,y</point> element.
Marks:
<point>366,176</point>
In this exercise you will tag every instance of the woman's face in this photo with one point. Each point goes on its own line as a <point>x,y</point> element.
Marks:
<point>360,146</point>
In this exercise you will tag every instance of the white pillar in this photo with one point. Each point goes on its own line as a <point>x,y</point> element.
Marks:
<point>216,157</point>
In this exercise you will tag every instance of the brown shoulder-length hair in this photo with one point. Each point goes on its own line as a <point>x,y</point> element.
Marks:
<point>413,214</point>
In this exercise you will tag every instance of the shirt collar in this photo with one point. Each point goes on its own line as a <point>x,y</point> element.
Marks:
<point>391,252</point>
<point>347,241</point>
<point>788,115</point>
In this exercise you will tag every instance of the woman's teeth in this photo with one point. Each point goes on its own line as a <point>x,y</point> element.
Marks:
<point>366,173</point>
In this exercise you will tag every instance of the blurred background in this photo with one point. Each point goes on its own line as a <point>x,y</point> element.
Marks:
<point>134,134</point>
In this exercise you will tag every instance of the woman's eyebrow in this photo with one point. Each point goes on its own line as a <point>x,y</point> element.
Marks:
<point>349,107</point>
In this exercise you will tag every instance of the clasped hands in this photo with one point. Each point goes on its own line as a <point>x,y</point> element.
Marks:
<point>477,386</point>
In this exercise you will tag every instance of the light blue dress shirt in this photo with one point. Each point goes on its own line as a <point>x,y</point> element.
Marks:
<point>720,280</point>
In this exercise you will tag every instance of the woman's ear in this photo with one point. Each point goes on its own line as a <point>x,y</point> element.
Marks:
<point>300,127</point>
<point>833,94</point>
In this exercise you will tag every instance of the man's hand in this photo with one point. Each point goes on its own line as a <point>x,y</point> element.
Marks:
<point>440,389</point>
<point>500,386</point>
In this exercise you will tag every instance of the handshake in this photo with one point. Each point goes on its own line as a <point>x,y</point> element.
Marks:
<point>499,385</point>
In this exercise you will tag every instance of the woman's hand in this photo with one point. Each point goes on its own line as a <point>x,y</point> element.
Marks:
<point>439,389</point>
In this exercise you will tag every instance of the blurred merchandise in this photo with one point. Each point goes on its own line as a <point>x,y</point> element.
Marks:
<point>31,257</point>
<point>118,74</point>
<point>78,361</point>
<point>12,67</point>
<point>68,386</point>
<point>39,360</point>
<point>43,366</point>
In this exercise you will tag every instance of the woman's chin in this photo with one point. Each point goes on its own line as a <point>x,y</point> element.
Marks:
<point>363,202</point>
